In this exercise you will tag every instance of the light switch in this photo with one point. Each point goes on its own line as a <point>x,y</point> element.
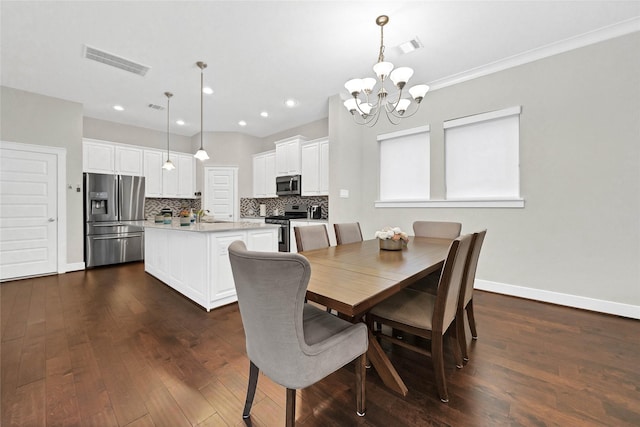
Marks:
<point>344,194</point>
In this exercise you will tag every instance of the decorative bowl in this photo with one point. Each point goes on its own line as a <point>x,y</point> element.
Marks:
<point>185,220</point>
<point>392,245</point>
<point>159,218</point>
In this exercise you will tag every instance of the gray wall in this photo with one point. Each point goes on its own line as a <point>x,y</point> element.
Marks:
<point>29,118</point>
<point>579,233</point>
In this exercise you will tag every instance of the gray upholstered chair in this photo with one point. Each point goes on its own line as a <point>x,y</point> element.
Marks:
<point>293,343</point>
<point>348,233</point>
<point>426,315</point>
<point>437,229</point>
<point>466,301</point>
<point>311,237</point>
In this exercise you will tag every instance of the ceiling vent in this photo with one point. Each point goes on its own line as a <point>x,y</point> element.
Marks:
<point>114,61</point>
<point>156,107</point>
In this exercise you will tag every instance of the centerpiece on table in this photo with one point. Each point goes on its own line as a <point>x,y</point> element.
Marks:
<point>392,238</point>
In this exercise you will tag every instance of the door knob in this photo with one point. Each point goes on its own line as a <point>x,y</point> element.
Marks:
<point>51,219</point>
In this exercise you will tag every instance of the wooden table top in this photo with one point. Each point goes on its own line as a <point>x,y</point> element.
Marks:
<point>353,278</point>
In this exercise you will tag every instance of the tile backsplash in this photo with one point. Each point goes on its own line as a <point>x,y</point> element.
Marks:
<point>251,207</point>
<point>152,206</point>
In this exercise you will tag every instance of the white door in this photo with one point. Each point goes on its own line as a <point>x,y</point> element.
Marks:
<point>28,213</point>
<point>220,193</point>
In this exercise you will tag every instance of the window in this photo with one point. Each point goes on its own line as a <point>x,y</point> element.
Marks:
<point>404,165</point>
<point>482,156</point>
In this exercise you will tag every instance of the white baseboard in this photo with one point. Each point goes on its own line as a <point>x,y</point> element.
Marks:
<point>575,301</point>
<point>76,266</point>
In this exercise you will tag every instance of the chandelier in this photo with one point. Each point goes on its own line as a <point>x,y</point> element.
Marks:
<point>201,154</point>
<point>168,165</point>
<point>365,105</point>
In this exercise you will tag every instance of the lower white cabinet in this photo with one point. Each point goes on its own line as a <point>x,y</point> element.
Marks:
<point>196,264</point>
<point>293,247</point>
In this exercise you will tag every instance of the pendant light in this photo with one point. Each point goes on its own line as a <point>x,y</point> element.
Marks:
<point>168,165</point>
<point>201,154</point>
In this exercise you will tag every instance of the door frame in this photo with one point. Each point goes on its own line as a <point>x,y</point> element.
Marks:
<point>61,194</point>
<point>236,199</point>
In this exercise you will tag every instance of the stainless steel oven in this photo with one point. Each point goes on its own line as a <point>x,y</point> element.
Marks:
<point>284,232</point>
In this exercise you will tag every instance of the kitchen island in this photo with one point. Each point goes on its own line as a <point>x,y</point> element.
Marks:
<point>194,261</point>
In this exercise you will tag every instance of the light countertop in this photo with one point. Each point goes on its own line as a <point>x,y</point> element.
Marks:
<point>208,227</point>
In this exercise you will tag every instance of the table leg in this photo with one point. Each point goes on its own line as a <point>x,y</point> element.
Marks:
<point>383,366</point>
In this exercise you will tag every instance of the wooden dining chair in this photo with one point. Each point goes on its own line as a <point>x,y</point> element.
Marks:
<point>426,315</point>
<point>438,230</point>
<point>311,237</point>
<point>293,343</point>
<point>348,233</point>
<point>465,302</point>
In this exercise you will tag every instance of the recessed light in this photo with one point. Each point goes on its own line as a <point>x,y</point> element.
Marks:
<point>118,107</point>
<point>291,103</point>
<point>264,114</point>
<point>207,90</point>
<point>242,123</point>
<point>180,122</point>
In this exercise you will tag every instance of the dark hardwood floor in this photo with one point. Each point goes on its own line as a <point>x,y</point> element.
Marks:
<point>115,347</point>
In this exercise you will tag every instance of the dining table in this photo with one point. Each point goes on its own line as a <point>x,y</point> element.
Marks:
<point>353,278</point>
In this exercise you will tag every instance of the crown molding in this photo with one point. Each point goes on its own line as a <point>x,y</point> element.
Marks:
<point>616,30</point>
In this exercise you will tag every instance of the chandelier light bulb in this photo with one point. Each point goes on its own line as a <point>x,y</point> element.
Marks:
<point>418,92</point>
<point>383,69</point>
<point>400,76</point>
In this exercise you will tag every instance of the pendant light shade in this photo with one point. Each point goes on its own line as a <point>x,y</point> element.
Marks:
<point>168,165</point>
<point>201,154</point>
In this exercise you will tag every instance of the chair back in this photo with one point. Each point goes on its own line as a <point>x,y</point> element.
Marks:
<point>437,229</point>
<point>311,237</point>
<point>348,233</point>
<point>271,288</point>
<point>448,292</point>
<point>472,265</point>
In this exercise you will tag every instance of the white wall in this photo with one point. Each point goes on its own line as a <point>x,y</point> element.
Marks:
<point>30,118</point>
<point>579,233</point>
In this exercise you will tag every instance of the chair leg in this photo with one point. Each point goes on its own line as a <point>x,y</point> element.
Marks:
<point>361,373</point>
<point>461,335</point>
<point>291,408</point>
<point>251,389</point>
<point>438,366</point>
<point>455,346</point>
<point>472,320</point>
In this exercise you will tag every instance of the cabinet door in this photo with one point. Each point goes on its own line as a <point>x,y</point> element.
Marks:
<point>129,161</point>
<point>185,166</point>
<point>259,173</point>
<point>310,158</point>
<point>170,177</point>
<point>293,157</point>
<point>262,240</point>
<point>153,160</point>
<point>223,285</point>
<point>270,174</point>
<point>323,167</point>
<point>282,167</point>
<point>98,157</point>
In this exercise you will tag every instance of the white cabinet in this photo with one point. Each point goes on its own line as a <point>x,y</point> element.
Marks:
<point>129,160</point>
<point>153,161</point>
<point>288,156</point>
<point>196,264</point>
<point>264,174</point>
<point>293,247</point>
<point>111,158</point>
<point>176,183</point>
<point>314,159</point>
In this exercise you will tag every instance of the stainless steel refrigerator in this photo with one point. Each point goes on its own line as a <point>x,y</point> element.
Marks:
<point>113,219</point>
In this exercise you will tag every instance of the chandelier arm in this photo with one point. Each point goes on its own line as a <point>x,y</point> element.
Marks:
<point>391,117</point>
<point>404,116</point>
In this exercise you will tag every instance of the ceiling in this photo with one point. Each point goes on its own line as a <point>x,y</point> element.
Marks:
<point>260,53</point>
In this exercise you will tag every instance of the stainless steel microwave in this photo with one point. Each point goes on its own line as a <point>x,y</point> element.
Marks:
<point>288,185</point>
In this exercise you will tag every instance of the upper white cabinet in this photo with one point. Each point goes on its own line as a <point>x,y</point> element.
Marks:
<point>288,155</point>
<point>153,161</point>
<point>110,158</point>
<point>179,182</point>
<point>314,160</point>
<point>264,174</point>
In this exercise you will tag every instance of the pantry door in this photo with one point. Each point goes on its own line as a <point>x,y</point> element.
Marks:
<point>29,178</point>
<point>221,193</point>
